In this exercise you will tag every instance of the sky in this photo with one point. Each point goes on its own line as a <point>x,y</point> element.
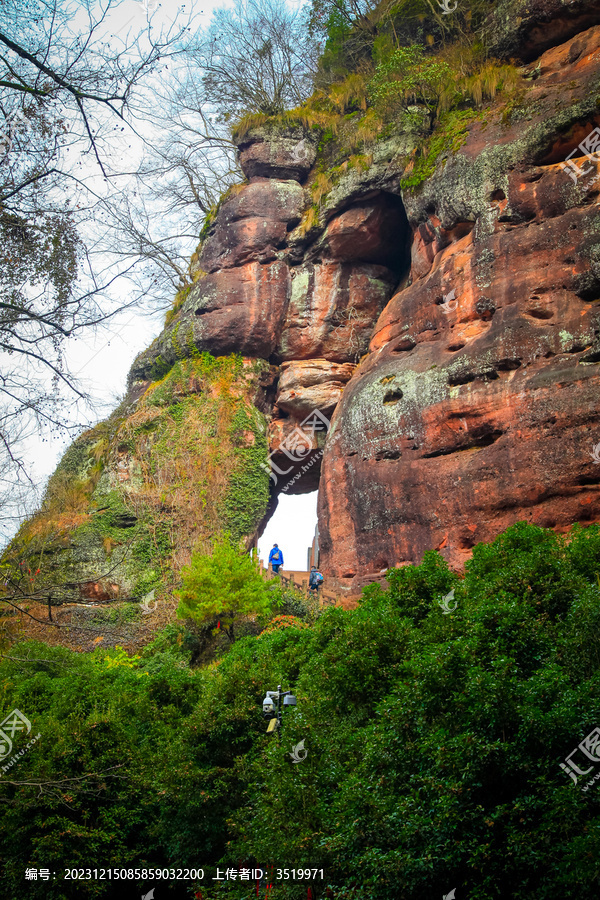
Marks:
<point>292,527</point>
<point>102,360</point>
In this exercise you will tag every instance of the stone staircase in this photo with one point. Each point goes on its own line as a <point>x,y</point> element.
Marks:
<point>299,580</point>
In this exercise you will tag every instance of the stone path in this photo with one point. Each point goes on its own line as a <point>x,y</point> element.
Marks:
<point>299,579</point>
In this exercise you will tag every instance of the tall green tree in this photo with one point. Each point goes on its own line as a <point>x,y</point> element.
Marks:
<point>227,584</point>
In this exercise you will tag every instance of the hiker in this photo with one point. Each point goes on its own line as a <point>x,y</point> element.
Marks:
<point>276,559</point>
<point>315,580</point>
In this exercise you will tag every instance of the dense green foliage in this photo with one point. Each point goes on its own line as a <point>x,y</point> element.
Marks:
<point>387,69</point>
<point>226,583</point>
<point>409,76</point>
<point>434,743</point>
<point>355,32</point>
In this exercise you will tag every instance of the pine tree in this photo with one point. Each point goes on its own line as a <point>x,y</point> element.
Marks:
<point>227,584</point>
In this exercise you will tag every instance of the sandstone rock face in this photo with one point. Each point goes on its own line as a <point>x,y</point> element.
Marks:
<point>375,231</point>
<point>332,309</point>
<point>524,29</point>
<point>451,333</point>
<point>252,225</point>
<point>239,309</point>
<point>289,154</point>
<point>295,458</point>
<point>254,301</point>
<point>311,384</point>
<point>253,296</point>
<point>345,280</point>
<point>479,402</point>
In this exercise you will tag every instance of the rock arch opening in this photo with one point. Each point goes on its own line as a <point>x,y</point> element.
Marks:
<point>339,288</point>
<point>292,525</point>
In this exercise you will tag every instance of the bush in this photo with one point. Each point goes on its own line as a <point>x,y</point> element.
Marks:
<point>226,585</point>
<point>293,602</point>
<point>413,589</point>
<point>408,77</point>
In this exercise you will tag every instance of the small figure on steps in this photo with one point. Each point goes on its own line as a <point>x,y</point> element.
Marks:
<point>315,580</point>
<point>276,559</point>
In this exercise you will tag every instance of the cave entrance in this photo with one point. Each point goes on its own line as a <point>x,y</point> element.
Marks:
<point>373,230</point>
<point>292,526</point>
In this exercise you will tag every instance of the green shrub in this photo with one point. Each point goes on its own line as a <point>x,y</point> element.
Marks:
<point>226,584</point>
<point>408,77</point>
<point>412,589</point>
<point>292,602</point>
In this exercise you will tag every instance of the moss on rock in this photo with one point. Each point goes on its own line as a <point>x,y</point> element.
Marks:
<point>133,497</point>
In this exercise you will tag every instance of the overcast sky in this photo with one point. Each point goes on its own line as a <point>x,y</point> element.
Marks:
<point>102,360</point>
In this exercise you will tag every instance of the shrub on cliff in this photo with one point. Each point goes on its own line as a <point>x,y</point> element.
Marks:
<point>358,32</point>
<point>226,584</point>
<point>406,77</point>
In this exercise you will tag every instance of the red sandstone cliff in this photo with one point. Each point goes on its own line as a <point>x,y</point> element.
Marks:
<point>478,404</point>
<point>453,328</point>
<point>437,297</point>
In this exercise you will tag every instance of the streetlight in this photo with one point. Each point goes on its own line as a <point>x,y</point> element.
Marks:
<point>273,711</point>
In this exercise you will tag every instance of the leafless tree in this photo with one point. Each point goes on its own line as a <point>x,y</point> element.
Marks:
<point>256,57</point>
<point>114,144</point>
<point>70,74</point>
<point>356,14</point>
<point>253,57</point>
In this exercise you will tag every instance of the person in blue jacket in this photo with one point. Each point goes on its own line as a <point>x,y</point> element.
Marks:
<point>275,558</point>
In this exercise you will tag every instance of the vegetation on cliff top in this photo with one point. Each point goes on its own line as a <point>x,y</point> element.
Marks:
<point>434,743</point>
<point>392,68</point>
<point>382,69</point>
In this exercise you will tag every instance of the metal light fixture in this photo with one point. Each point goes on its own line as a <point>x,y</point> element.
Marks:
<point>273,710</point>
